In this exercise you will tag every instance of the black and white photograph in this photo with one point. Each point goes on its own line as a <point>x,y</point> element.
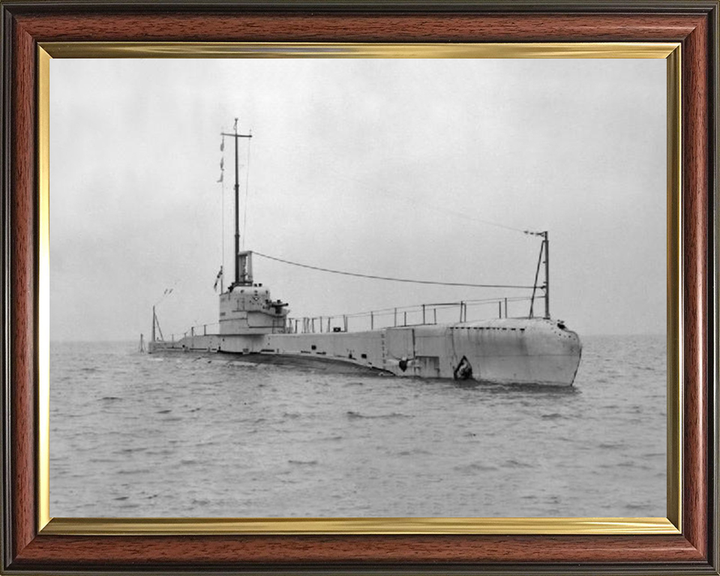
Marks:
<point>358,288</point>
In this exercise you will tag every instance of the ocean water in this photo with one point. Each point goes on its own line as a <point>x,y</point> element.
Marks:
<point>187,435</point>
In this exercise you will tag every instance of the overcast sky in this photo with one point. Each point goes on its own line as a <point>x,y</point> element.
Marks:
<point>386,167</point>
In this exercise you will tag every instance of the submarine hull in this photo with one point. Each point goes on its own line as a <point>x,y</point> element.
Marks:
<point>502,351</point>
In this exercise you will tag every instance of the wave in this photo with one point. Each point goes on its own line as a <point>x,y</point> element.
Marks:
<point>413,452</point>
<point>610,445</point>
<point>357,415</point>
<point>516,464</point>
<point>475,467</point>
<point>131,450</point>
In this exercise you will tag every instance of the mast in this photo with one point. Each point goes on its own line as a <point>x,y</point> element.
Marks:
<point>544,251</point>
<point>547,273</point>
<point>236,136</point>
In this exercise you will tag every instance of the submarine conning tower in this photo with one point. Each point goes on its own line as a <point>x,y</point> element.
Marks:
<point>247,307</point>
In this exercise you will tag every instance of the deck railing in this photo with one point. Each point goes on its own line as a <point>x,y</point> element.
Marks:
<point>418,315</point>
<point>198,330</point>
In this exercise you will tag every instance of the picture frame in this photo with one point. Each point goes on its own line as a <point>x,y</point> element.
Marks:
<point>686,541</point>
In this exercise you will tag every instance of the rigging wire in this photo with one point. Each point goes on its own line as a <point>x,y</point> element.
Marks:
<point>439,208</point>
<point>222,202</point>
<point>222,226</point>
<point>412,200</point>
<point>390,279</point>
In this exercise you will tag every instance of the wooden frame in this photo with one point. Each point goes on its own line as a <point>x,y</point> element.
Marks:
<point>26,24</point>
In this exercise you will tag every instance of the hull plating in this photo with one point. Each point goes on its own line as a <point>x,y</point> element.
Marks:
<point>503,351</point>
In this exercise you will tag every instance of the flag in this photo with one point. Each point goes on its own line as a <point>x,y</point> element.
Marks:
<point>222,144</point>
<point>217,278</point>
<point>235,125</point>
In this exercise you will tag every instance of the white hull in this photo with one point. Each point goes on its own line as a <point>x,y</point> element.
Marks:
<point>501,351</point>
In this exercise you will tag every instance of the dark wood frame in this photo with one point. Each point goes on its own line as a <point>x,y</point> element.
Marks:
<point>25,23</point>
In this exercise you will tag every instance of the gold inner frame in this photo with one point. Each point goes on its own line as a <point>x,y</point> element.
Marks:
<point>671,52</point>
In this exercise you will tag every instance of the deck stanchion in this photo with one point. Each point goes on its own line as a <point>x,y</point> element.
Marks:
<point>423,308</point>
